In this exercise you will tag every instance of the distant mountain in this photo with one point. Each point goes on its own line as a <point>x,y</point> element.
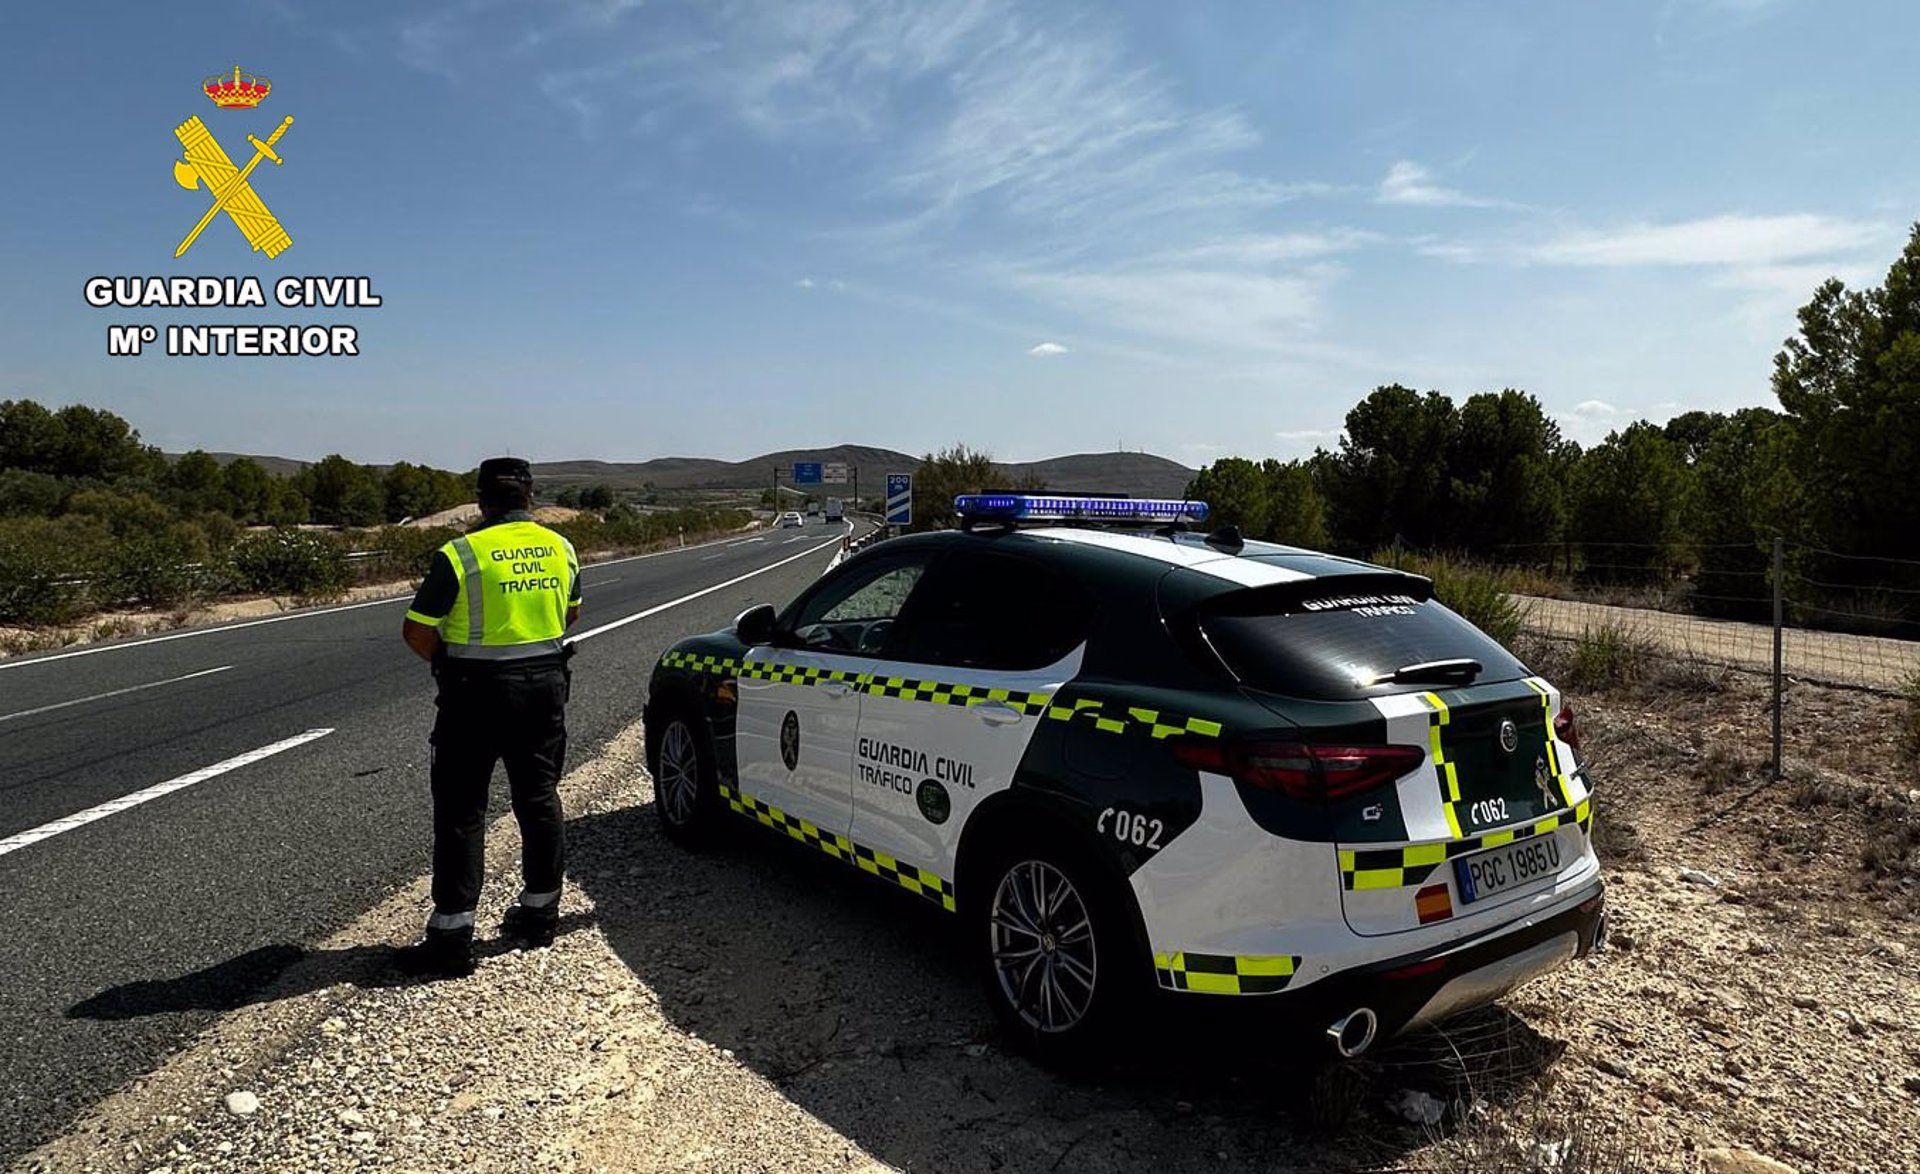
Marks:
<point>1139,473</point>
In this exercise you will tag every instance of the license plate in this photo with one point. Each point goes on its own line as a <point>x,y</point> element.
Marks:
<point>1510,866</point>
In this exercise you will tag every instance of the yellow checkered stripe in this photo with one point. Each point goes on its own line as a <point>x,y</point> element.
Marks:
<point>1103,716</point>
<point>940,693</point>
<point>700,662</point>
<point>1113,719</point>
<point>1397,868</point>
<point>1226,974</point>
<point>1444,770</point>
<point>1553,752</point>
<point>935,888</point>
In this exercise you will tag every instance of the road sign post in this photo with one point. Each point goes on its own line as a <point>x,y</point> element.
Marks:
<point>899,499</point>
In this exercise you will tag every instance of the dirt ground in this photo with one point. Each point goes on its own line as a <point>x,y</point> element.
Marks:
<point>756,1009</point>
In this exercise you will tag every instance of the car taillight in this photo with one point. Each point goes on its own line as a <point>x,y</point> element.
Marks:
<point>1563,727</point>
<point>1301,770</point>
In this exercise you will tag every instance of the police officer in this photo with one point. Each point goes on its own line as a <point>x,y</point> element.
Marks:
<point>489,617</point>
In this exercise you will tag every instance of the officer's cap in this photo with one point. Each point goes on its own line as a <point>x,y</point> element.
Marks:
<point>500,471</point>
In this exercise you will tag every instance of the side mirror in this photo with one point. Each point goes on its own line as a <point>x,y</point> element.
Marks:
<point>755,625</point>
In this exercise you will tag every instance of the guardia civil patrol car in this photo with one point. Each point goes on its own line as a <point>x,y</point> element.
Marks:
<point>1139,758</point>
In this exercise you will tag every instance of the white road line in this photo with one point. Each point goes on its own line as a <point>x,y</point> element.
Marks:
<point>292,615</point>
<point>707,558</point>
<point>657,608</point>
<point>47,831</point>
<point>745,541</point>
<point>7,717</point>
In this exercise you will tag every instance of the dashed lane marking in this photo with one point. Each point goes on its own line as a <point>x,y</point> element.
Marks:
<point>47,831</point>
<point>7,717</point>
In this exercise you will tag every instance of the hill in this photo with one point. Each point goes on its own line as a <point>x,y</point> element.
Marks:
<point>1104,472</point>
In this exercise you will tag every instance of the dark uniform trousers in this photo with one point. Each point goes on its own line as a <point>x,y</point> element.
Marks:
<point>487,714</point>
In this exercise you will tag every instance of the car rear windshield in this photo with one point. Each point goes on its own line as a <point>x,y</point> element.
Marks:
<point>1327,646</point>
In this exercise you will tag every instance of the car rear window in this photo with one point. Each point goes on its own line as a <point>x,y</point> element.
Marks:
<point>1324,646</point>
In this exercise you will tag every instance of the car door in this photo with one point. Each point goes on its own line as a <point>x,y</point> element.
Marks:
<point>799,699</point>
<point>961,684</point>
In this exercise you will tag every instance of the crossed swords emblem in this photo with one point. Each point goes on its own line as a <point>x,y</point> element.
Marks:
<point>207,163</point>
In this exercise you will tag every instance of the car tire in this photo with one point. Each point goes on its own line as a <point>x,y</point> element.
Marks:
<point>1054,950</point>
<point>686,792</point>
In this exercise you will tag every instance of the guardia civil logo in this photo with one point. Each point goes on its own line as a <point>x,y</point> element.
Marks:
<point>208,167</point>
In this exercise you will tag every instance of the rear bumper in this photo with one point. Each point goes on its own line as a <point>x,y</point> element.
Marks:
<point>1419,988</point>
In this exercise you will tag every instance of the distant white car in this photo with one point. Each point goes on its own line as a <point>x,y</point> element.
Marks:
<point>791,519</point>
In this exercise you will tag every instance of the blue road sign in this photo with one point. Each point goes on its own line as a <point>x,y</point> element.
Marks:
<point>899,499</point>
<point>806,472</point>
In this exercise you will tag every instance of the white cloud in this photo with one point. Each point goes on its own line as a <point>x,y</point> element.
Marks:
<point>1308,434</point>
<point>1407,182</point>
<point>1595,409</point>
<point>1272,248</point>
<point>1046,350</point>
<point>805,283</point>
<point>1250,311</point>
<point>1712,240</point>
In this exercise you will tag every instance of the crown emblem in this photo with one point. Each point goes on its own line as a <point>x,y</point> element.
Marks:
<point>236,90</point>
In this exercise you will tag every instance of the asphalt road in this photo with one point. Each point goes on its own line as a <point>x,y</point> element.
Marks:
<point>278,850</point>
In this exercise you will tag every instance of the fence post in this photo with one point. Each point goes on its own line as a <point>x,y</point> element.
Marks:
<point>1779,698</point>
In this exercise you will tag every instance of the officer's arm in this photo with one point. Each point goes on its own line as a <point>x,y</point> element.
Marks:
<point>431,603</point>
<point>423,640</point>
<point>573,575</point>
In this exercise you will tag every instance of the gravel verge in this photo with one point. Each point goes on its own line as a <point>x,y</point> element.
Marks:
<point>752,1008</point>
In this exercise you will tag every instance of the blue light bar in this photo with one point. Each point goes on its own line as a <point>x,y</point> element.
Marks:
<point>1039,507</point>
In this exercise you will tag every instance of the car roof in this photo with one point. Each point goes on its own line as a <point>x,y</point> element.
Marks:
<point>1252,564</point>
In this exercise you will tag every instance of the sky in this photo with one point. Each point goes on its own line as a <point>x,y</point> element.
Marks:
<point>620,229</point>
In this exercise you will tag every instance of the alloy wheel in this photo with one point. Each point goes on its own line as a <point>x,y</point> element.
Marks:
<point>678,787</point>
<point>1043,947</point>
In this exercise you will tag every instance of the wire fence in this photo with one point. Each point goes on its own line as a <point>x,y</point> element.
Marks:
<point>1793,612</point>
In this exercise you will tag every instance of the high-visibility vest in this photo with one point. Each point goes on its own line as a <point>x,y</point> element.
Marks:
<point>516,581</point>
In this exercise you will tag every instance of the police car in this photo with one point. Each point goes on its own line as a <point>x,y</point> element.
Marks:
<point>1142,761</point>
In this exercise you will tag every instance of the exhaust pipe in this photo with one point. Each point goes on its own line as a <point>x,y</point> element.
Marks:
<point>1353,1033</point>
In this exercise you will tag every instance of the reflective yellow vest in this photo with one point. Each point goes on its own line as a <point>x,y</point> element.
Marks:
<point>516,581</point>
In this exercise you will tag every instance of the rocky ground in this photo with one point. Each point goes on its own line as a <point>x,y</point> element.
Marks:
<point>755,1009</point>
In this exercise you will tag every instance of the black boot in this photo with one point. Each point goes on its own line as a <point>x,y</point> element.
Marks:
<point>443,953</point>
<point>534,927</point>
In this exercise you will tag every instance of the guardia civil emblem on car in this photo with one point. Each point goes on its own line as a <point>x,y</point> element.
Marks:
<point>790,740</point>
<point>1147,764</point>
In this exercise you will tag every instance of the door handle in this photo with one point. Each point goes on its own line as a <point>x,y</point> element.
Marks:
<point>997,713</point>
<point>835,688</point>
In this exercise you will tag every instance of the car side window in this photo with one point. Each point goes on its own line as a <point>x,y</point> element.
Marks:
<point>854,612</point>
<point>983,609</point>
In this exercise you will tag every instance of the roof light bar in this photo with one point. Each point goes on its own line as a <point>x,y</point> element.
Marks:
<point>1038,507</point>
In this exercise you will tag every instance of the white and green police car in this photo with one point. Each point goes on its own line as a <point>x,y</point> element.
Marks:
<point>1140,759</point>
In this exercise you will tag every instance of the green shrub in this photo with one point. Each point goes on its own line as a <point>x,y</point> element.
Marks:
<point>153,570</point>
<point>401,552</point>
<point>288,562</point>
<point>48,568</point>
<point>1607,656</point>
